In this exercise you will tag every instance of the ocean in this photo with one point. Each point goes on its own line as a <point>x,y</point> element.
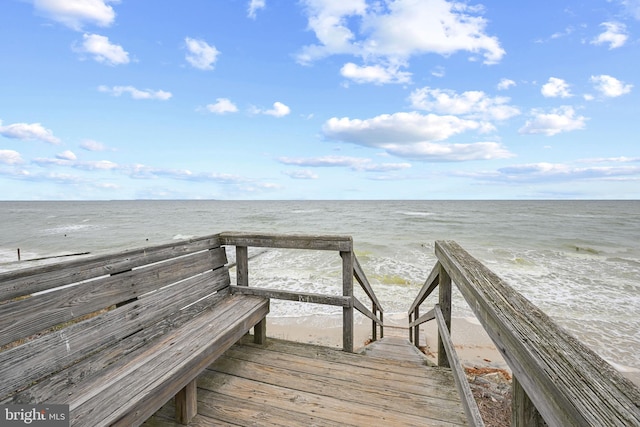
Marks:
<point>579,261</point>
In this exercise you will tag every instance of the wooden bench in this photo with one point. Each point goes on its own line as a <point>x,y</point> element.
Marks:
<point>115,337</point>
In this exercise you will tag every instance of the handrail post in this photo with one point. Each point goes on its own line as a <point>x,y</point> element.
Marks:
<point>416,329</point>
<point>347,291</point>
<point>374,329</point>
<point>381,324</point>
<point>242,266</point>
<point>523,411</point>
<point>411,319</point>
<point>444,300</point>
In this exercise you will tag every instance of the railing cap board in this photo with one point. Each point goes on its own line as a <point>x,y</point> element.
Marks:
<point>288,241</point>
<point>34,279</point>
<point>568,382</point>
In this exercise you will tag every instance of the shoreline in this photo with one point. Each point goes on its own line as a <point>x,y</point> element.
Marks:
<point>472,344</point>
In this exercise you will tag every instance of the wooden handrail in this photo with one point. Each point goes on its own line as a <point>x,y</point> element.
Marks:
<point>556,377</point>
<point>350,268</point>
<point>468,401</point>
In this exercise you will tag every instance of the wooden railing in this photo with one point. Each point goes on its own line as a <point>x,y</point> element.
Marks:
<point>557,380</point>
<point>350,268</point>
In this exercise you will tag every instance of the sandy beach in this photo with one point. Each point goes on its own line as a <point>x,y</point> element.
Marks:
<point>472,343</point>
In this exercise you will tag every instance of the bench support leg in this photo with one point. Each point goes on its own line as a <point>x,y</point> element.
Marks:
<point>187,403</point>
<point>260,332</point>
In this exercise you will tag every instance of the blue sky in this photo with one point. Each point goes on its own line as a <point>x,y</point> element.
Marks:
<point>319,99</point>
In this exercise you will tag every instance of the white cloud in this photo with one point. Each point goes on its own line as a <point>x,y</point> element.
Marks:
<point>77,13</point>
<point>10,157</point>
<point>439,72</point>
<point>472,104</point>
<point>201,55</point>
<point>103,50</point>
<point>505,84</point>
<point>69,160</point>
<point>376,74</point>
<point>91,145</point>
<point>397,127</point>
<point>610,86</point>
<point>559,120</point>
<point>556,88</point>
<point>354,163</point>
<point>415,136</point>
<point>279,110</point>
<point>301,174</point>
<point>67,155</point>
<point>136,93</point>
<point>28,132</point>
<point>397,30</point>
<point>429,151</point>
<point>632,7</point>
<point>615,35</point>
<point>556,172</point>
<point>222,106</point>
<point>254,6</point>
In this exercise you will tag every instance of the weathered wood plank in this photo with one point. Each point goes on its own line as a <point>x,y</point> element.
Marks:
<point>23,318</point>
<point>364,310</point>
<point>56,385</point>
<point>568,383</point>
<point>288,241</point>
<point>124,398</point>
<point>468,401</point>
<point>242,266</point>
<point>308,403</point>
<point>427,289</point>
<point>186,401</point>
<point>444,303</point>
<point>428,316</point>
<point>389,398</point>
<point>364,282</point>
<point>55,351</point>
<point>367,370</point>
<point>221,408</point>
<point>347,291</point>
<point>294,296</point>
<point>31,280</point>
<point>395,348</point>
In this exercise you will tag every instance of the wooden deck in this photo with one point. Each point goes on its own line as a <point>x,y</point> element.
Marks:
<point>291,384</point>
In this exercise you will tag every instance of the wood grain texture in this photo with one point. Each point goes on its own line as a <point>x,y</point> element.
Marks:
<point>468,401</point>
<point>568,383</point>
<point>31,280</point>
<point>293,384</point>
<point>23,318</point>
<point>306,297</point>
<point>289,241</point>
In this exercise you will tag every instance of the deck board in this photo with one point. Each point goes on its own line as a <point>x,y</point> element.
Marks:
<point>293,384</point>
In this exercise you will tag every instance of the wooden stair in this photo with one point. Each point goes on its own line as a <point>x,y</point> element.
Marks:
<point>293,384</point>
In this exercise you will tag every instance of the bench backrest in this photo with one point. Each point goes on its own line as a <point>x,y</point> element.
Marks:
<point>53,316</point>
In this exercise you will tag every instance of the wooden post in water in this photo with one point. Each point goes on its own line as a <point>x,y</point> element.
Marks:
<point>444,300</point>
<point>347,291</point>
<point>18,254</point>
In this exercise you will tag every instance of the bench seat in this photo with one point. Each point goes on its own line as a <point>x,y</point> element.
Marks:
<point>168,314</point>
